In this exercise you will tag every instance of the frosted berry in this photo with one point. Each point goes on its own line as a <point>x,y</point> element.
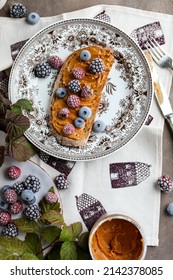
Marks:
<point>64,113</point>
<point>42,70</point>
<point>16,207</point>
<point>61,92</point>
<point>32,212</point>
<point>18,187</point>
<point>79,122</point>
<point>13,172</point>
<point>17,10</point>
<point>99,126</point>
<point>3,204</point>
<point>4,188</point>
<point>61,181</point>
<point>32,183</point>
<point>85,55</point>
<point>165,183</point>
<point>96,66</point>
<point>85,112</point>
<point>51,198</point>
<point>73,101</point>
<point>10,230</point>
<point>68,129</point>
<point>74,86</point>
<point>27,195</point>
<point>33,18</point>
<point>55,62</point>
<point>5,218</point>
<point>169,209</point>
<point>78,73</point>
<point>86,92</point>
<point>10,196</point>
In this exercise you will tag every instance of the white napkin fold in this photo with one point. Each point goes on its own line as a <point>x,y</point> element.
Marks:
<point>91,182</point>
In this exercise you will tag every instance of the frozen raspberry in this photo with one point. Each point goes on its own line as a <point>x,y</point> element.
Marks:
<point>165,183</point>
<point>10,196</point>
<point>10,230</point>
<point>16,207</point>
<point>61,181</point>
<point>96,66</point>
<point>73,101</point>
<point>51,198</point>
<point>13,172</point>
<point>68,129</point>
<point>78,73</point>
<point>5,218</point>
<point>55,61</point>
<point>64,113</point>
<point>86,91</point>
<point>74,86</point>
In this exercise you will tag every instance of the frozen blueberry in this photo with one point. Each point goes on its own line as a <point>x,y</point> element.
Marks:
<point>61,92</point>
<point>30,202</point>
<point>85,55</point>
<point>4,188</point>
<point>79,122</point>
<point>27,195</point>
<point>99,126</point>
<point>3,204</point>
<point>85,112</point>
<point>33,18</point>
<point>169,209</point>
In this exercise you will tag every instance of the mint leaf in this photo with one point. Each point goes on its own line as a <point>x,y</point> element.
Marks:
<point>33,245</point>
<point>53,217</point>
<point>2,150</point>
<point>45,207</point>
<point>68,251</point>
<point>25,104</point>
<point>70,233</point>
<point>27,226</point>
<point>17,124</point>
<point>20,148</point>
<point>50,233</point>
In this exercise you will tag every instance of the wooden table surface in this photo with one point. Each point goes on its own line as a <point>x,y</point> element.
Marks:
<point>53,7</point>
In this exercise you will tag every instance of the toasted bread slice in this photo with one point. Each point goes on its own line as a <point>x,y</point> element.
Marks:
<point>96,82</point>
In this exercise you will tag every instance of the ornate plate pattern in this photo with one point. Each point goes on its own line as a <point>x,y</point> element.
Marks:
<point>126,97</point>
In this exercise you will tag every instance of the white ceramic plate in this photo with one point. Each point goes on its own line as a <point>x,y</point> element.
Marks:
<point>126,97</point>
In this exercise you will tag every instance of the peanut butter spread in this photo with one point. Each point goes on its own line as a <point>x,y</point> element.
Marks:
<point>95,81</point>
<point>117,239</point>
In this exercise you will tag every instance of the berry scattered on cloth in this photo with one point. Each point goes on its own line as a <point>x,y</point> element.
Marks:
<point>10,230</point>
<point>18,187</point>
<point>33,18</point>
<point>16,207</point>
<point>13,172</point>
<point>61,181</point>
<point>10,196</point>
<point>32,183</point>
<point>17,10</point>
<point>169,209</point>
<point>5,218</point>
<point>165,183</point>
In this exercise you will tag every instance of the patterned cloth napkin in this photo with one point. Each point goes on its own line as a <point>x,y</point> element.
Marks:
<point>124,182</point>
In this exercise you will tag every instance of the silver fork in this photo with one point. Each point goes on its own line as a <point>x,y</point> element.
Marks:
<point>158,55</point>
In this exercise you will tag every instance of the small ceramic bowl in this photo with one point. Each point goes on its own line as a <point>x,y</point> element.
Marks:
<point>117,237</point>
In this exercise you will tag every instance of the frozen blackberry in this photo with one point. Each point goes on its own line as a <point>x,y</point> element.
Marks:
<point>10,230</point>
<point>17,10</point>
<point>61,181</point>
<point>74,86</point>
<point>96,66</point>
<point>32,183</point>
<point>18,187</point>
<point>32,212</point>
<point>42,70</point>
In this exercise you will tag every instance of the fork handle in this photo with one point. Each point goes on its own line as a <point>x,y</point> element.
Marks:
<point>169,118</point>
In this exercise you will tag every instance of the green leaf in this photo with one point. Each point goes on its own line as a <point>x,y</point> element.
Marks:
<point>20,148</point>
<point>17,124</point>
<point>29,256</point>
<point>4,105</point>
<point>27,226</point>
<point>53,217</point>
<point>70,233</point>
<point>11,248</point>
<point>50,233</point>
<point>16,109</point>
<point>45,207</point>
<point>81,254</point>
<point>33,245</point>
<point>25,104</point>
<point>54,253</point>
<point>68,251</point>
<point>83,241</point>
<point>2,150</point>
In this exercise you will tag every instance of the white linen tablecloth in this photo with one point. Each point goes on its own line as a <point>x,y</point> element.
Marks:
<point>92,185</point>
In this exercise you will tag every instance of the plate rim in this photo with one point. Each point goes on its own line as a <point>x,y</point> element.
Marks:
<point>106,152</point>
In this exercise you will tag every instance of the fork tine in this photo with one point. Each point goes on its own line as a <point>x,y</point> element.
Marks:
<point>153,52</point>
<point>158,46</point>
<point>155,49</point>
